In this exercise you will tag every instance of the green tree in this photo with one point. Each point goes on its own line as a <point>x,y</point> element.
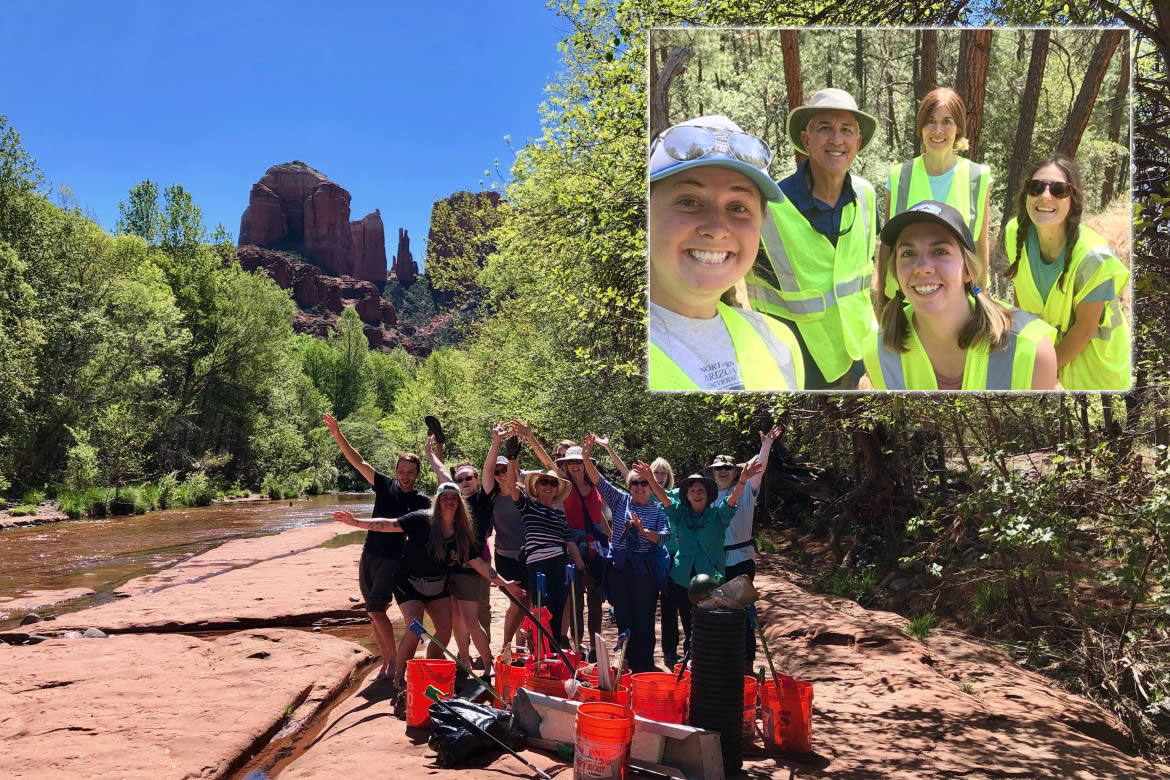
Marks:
<point>460,241</point>
<point>140,215</point>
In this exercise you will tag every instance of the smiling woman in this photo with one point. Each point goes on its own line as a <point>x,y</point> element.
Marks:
<point>709,187</point>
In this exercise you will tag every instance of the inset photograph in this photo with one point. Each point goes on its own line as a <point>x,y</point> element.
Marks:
<point>889,210</point>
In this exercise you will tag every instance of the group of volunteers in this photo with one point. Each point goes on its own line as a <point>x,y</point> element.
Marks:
<point>763,285</point>
<point>634,544</point>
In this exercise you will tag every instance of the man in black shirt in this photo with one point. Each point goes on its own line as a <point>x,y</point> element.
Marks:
<point>381,553</point>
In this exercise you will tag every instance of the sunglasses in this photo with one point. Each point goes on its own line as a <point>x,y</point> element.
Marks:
<point>500,470</point>
<point>691,142</point>
<point>465,478</point>
<point>723,468</point>
<point>1059,189</point>
<point>639,483</point>
<point>546,483</point>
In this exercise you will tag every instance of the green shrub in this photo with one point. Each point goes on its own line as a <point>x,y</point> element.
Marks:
<point>33,497</point>
<point>168,491</point>
<point>150,493</point>
<point>921,626</point>
<point>853,585</point>
<point>197,490</point>
<point>277,489</point>
<point>988,598</point>
<point>23,510</point>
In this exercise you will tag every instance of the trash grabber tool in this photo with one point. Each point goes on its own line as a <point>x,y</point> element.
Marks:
<point>418,630</point>
<point>571,581</point>
<point>434,695</point>
<point>623,643</point>
<point>682,667</point>
<point>540,585</point>
<point>524,610</point>
<point>768,655</point>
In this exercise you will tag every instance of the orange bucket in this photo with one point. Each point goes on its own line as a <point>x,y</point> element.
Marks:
<point>509,678</point>
<point>620,696</point>
<point>551,681</point>
<point>750,684</point>
<point>685,691</point>
<point>421,673</point>
<point>604,732</point>
<point>658,696</point>
<point>788,715</point>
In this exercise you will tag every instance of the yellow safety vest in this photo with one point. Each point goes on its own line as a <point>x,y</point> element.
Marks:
<point>823,289</point>
<point>1104,363</point>
<point>1007,369</point>
<point>757,367</point>
<point>910,184</point>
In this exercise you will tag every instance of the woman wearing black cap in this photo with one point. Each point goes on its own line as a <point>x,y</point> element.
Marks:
<point>941,332</point>
<point>698,525</point>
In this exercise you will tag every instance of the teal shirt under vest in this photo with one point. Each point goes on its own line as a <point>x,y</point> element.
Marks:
<point>699,538</point>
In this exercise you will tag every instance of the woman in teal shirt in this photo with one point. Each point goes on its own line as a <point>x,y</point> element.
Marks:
<point>698,525</point>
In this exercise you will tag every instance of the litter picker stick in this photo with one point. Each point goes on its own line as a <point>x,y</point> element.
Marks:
<point>623,642</point>
<point>571,581</point>
<point>768,655</point>
<point>539,626</point>
<point>434,695</point>
<point>420,631</point>
<point>539,595</point>
<point>682,667</point>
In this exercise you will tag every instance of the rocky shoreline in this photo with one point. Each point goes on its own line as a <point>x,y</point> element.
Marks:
<point>149,700</point>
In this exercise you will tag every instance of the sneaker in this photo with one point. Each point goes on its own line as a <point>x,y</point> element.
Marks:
<point>592,656</point>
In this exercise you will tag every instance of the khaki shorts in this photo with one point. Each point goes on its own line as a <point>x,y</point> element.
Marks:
<point>467,587</point>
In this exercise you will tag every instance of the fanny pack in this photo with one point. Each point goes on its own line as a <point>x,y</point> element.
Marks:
<point>741,545</point>
<point>428,586</point>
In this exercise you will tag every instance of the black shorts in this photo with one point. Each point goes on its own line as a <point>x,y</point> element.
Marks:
<point>512,569</point>
<point>405,590</point>
<point>376,576</point>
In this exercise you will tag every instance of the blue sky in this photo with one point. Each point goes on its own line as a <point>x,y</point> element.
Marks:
<point>398,106</point>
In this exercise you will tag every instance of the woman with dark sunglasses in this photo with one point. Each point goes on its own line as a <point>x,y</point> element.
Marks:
<point>639,563</point>
<point>547,544</point>
<point>940,174</point>
<point>469,591</point>
<point>1066,273</point>
<point>699,522</point>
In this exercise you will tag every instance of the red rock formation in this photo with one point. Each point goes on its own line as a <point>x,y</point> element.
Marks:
<point>369,248</point>
<point>328,239</point>
<point>404,266</point>
<point>297,208</point>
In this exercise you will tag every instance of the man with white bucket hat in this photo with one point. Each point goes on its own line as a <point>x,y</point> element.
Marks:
<point>820,240</point>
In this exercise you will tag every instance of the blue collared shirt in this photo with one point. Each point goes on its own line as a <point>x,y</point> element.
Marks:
<point>621,504</point>
<point>825,219</point>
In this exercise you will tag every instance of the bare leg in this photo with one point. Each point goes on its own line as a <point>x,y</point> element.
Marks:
<point>384,636</point>
<point>439,611</point>
<point>411,611</point>
<point>467,612</point>
<point>460,625</point>
<point>512,620</point>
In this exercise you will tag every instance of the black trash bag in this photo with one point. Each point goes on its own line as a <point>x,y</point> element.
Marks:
<point>453,740</point>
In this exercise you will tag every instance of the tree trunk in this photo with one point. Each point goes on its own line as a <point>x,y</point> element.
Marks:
<point>929,68</point>
<point>1021,45</point>
<point>1021,149</point>
<point>675,63</point>
<point>1083,405</point>
<point>916,80</point>
<point>859,70</point>
<point>793,82</point>
<point>974,53</point>
<point>1115,118</point>
<point>1078,118</point>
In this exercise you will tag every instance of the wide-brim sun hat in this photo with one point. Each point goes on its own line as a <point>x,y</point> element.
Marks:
<point>929,211</point>
<point>662,164</point>
<point>723,461</point>
<point>829,99</point>
<point>708,483</point>
<point>563,485</point>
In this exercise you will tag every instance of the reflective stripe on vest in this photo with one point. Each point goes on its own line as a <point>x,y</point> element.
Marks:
<point>823,292</point>
<point>1009,368</point>
<point>758,369</point>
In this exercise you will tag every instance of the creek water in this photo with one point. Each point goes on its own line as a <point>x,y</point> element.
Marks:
<point>104,553</point>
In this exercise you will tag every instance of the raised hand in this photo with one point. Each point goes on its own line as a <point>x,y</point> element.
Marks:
<point>330,423</point>
<point>642,469</point>
<point>773,434</point>
<point>602,440</point>
<point>523,430</point>
<point>499,432</point>
<point>345,517</point>
<point>587,446</point>
<point>750,469</point>
<point>429,445</point>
